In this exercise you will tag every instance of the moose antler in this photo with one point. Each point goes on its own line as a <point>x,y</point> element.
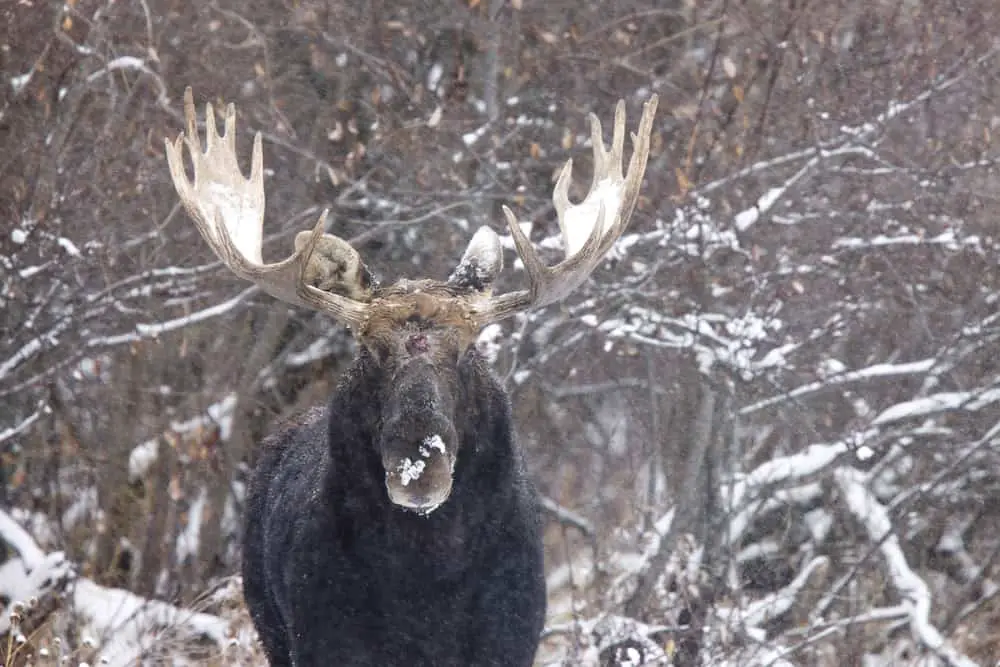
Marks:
<point>327,274</point>
<point>589,229</point>
<point>229,212</point>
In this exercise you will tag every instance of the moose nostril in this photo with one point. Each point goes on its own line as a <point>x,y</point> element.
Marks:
<point>416,344</point>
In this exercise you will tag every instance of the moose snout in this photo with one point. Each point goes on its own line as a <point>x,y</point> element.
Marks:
<point>418,442</point>
<point>422,482</point>
<point>419,459</point>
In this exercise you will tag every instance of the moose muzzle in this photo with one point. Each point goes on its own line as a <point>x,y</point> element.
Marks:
<point>418,443</point>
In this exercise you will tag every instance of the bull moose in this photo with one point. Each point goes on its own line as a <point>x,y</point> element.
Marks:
<point>397,525</point>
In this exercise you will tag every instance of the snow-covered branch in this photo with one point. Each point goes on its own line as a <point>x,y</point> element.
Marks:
<point>793,467</point>
<point>122,625</point>
<point>874,517</point>
<point>24,424</point>
<point>152,330</point>
<point>875,371</point>
<point>970,400</point>
<point>774,605</point>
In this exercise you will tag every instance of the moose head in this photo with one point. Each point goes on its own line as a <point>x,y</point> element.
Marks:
<point>417,332</point>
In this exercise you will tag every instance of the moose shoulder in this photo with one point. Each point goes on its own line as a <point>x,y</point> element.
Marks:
<point>397,526</point>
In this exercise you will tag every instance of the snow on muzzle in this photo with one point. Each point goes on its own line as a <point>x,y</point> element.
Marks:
<point>422,481</point>
<point>418,443</point>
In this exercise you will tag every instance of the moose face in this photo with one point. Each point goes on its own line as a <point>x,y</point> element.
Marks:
<point>418,334</point>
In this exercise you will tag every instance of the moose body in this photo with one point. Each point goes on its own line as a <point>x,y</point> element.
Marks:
<point>336,574</point>
<point>397,526</point>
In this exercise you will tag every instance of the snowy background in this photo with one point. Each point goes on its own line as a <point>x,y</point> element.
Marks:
<point>767,430</point>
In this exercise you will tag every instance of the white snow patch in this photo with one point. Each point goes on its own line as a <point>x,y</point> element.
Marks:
<point>470,138</point>
<point>746,218</point>
<point>84,508</point>
<point>809,461</point>
<point>19,82</point>
<point>30,271</point>
<point>485,247</point>
<point>432,442</point>
<point>490,342</point>
<point>20,582</point>
<point>141,458</point>
<point>819,522</point>
<point>829,367</point>
<point>971,401</point>
<point>318,349</point>
<point>123,622</point>
<point>632,657</point>
<point>948,239</point>
<point>188,540</point>
<point>874,517</point>
<point>120,624</point>
<point>19,236</point>
<point>410,471</point>
<point>435,118</point>
<point>483,258</point>
<point>434,75</point>
<point>222,413</point>
<point>68,246</point>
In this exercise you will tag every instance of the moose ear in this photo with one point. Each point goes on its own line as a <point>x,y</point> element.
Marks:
<point>481,263</point>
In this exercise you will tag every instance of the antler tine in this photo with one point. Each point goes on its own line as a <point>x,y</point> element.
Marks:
<point>228,211</point>
<point>589,228</point>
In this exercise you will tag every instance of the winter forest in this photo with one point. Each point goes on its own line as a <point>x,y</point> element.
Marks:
<point>766,430</point>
